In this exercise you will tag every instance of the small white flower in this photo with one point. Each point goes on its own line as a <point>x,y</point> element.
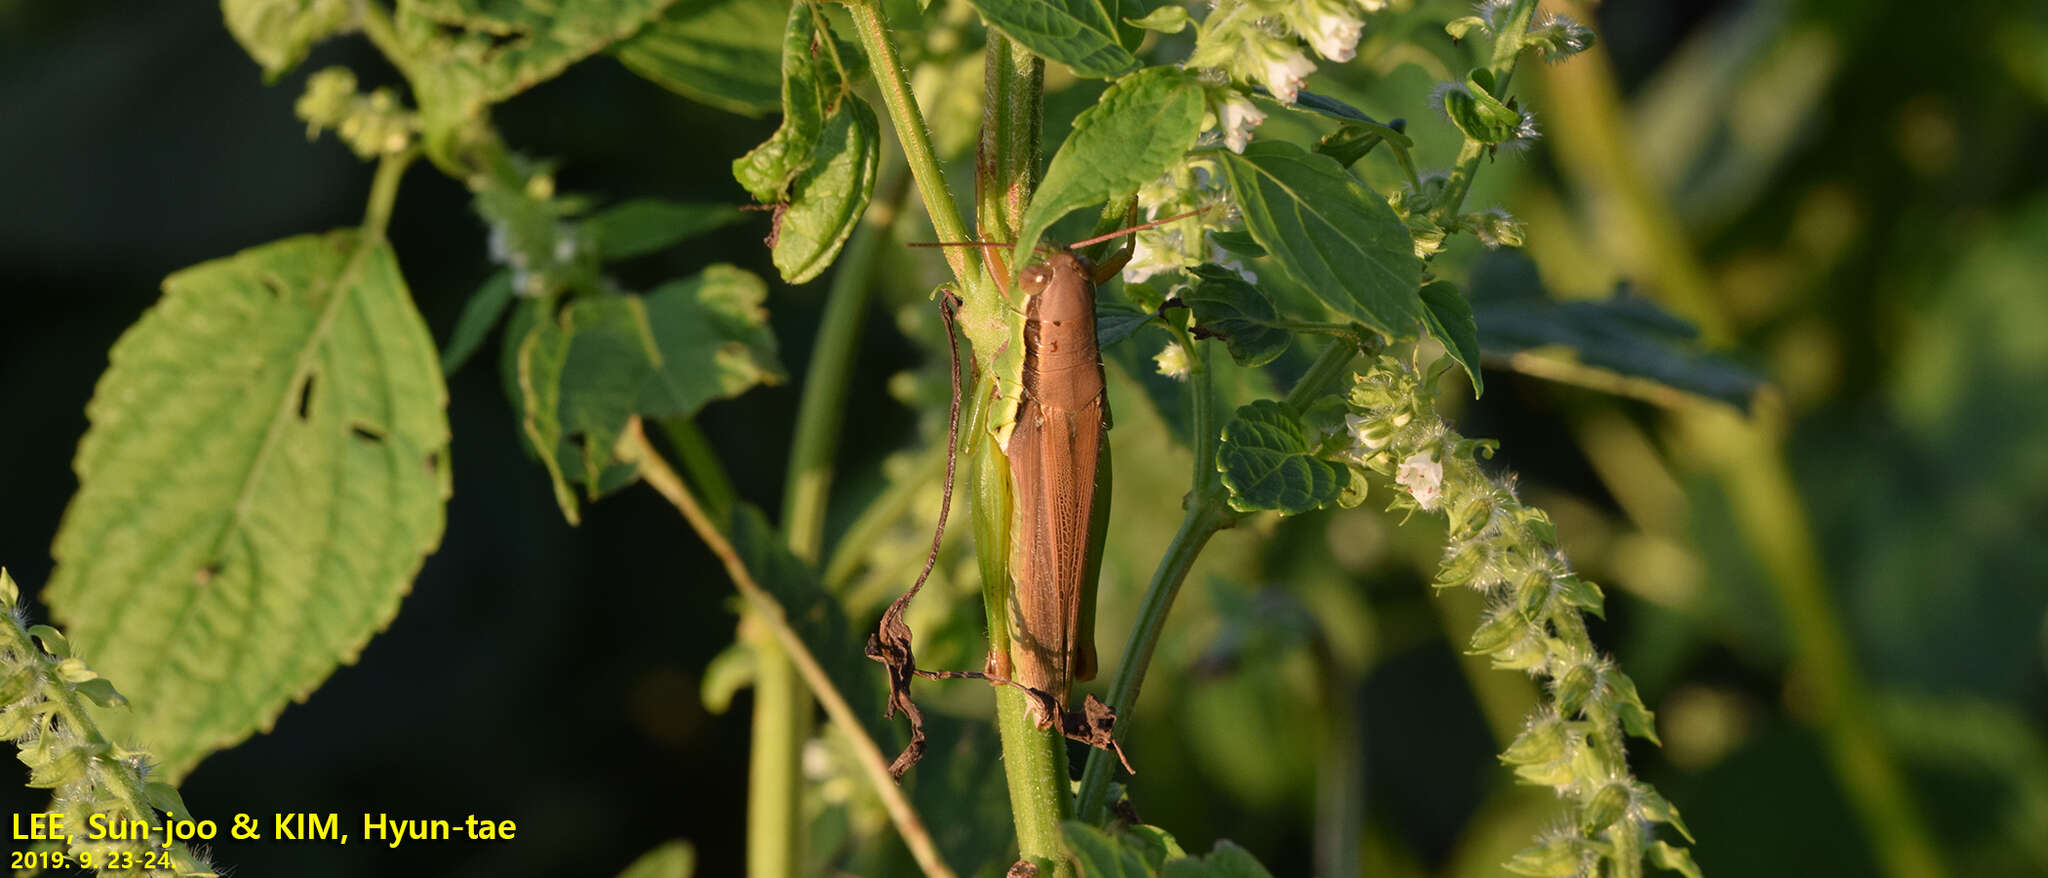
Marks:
<point>1173,361</point>
<point>565,243</point>
<point>1283,75</point>
<point>1360,436</point>
<point>1334,35</point>
<point>500,243</point>
<point>1423,476</point>
<point>1155,252</point>
<point>1237,117</point>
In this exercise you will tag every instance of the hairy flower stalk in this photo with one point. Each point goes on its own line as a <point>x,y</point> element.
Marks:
<point>42,694</point>
<point>1534,622</point>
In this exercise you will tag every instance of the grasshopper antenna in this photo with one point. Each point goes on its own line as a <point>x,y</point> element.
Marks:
<point>1138,228</point>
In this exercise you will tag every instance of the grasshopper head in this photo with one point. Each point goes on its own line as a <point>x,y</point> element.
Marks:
<point>1060,286</point>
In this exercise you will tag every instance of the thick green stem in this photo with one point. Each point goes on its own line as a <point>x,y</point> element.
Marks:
<point>782,723</point>
<point>384,192</point>
<point>916,138</point>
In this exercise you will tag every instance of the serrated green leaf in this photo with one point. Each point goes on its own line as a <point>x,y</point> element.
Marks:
<point>828,197</point>
<point>722,53</point>
<point>479,314</point>
<point>265,472</point>
<point>468,54</point>
<point>1449,318</point>
<point>1627,334</point>
<point>673,859</point>
<point>1226,860</point>
<point>1329,233</point>
<point>1102,855</point>
<point>1266,461</point>
<point>1670,858</point>
<point>1238,242</point>
<point>1237,312</point>
<point>1478,112</point>
<point>646,225</point>
<point>603,359</point>
<point>820,164</point>
<point>1141,125</point>
<point>1081,34</point>
<point>279,33</point>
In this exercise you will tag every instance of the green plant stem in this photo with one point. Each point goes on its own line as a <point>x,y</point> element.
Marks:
<point>1208,511</point>
<point>384,192</point>
<point>1035,765</point>
<point>1507,46</point>
<point>782,723</point>
<point>878,517</point>
<point>700,462</point>
<point>633,448</point>
<point>872,26</point>
<point>375,21</point>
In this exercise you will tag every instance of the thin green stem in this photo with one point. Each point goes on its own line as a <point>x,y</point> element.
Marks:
<point>375,21</point>
<point>878,517</point>
<point>384,192</point>
<point>1208,511</point>
<point>700,462</point>
<point>1507,46</point>
<point>872,26</point>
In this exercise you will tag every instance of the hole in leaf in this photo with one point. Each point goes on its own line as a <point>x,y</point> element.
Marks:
<point>367,434</point>
<point>433,461</point>
<point>306,398</point>
<point>206,574</point>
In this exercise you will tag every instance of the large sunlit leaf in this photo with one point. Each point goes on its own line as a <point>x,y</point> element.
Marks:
<point>265,471</point>
<point>1332,235</point>
<point>1142,125</point>
<point>1268,462</point>
<point>724,53</point>
<point>1081,34</point>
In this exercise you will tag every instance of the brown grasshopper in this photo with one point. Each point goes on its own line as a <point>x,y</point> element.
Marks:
<point>1058,464</point>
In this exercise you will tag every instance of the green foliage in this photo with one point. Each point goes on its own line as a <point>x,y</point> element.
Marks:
<point>1082,34</point>
<point>1474,109</point>
<point>1140,127</point>
<point>1449,319</point>
<point>723,53</point>
<point>1329,233</point>
<point>279,33</point>
<point>265,471</point>
<point>43,692</point>
<point>818,169</point>
<point>1228,308</point>
<point>603,359</point>
<point>1143,851</point>
<point>1268,461</point>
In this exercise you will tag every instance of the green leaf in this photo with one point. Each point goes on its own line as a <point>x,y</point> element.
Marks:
<point>279,33</point>
<point>723,53</point>
<point>673,859</point>
<point>1266,461</point>
<point>1238,242</point>
<point>603,359</point>
<point>1477,112</point>
<point>1626,334</point>
<point>468,54</point>
<point>1555,858</point>
<point>1329,233</point>
<point>1114,322</point>
<point>1168,19</point>
<point>1237,312</point>
<point>1102,855</point>
<point>1142,125</point>
<point>1081,34</point>
<point>1353,141</point>
<point>1449,318</point>
<point>827,199</point>
<point>1226,860</point>
<point>645,225</point>
<point>165,798</point>
<point>265,472</point>
<point>481,313</point>
<point>820,164</point>
<point>1460,28</point>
